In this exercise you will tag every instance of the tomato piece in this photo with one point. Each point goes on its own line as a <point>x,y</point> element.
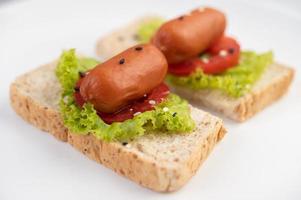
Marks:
<point>156,96</point>
<point>222,55</point>
<point>146,103</point>
<point>119,116</point>
<point>184,68</point>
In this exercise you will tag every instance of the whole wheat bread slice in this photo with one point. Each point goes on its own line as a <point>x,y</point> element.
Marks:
<point>157,161</point>
<point>273,84</point>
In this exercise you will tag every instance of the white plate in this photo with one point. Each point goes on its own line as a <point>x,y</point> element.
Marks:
<point>259,159</point>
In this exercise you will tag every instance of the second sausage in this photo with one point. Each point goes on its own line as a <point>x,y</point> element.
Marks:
<point>190,34</point>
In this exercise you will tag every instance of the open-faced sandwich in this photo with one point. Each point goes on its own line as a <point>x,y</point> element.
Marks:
<point>205,65</point>
<point>121,114</point>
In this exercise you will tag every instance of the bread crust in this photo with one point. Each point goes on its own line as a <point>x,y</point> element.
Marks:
<point>147,172</point>
<point>257,100</point>
<point>240,109</point>
<point>43,117</point>
<point>128,160</point>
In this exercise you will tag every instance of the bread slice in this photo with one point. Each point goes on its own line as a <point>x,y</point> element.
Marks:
<point>273,84</point>
<point>160,162</point>
<point>121,39</point>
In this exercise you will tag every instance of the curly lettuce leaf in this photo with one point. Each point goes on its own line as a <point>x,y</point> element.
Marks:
<point>235,82</point>
<point>86,120</point>
<point>148,29</point>
<point>68,68</point>
<point>87,63</point>
<point>170,116</point>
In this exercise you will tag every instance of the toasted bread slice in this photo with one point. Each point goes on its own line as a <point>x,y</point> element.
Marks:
<point>273,84</point>
<point>157,161</point>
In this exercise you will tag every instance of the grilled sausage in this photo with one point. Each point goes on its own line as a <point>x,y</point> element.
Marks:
<point>190,34</point>
<point>124,78</point>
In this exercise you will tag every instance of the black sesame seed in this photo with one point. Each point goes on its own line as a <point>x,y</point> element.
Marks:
<point>231,50</point>
<point>181,18</point>
<point>174,114</point>
<point>82,74</point>
<point>121,61</point>
<point>76,89</point>
<point>124,143</point>
<point>138,48</point>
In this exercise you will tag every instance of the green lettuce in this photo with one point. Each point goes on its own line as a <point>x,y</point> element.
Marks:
<point>235,82</point>
<point>148,29</point>
<point>69,67</point>
<point>170,116</point>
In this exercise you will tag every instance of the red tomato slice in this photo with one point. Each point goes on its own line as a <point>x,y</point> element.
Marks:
<point>146,103</point>
<point>184,68</point>
<point>223,54</point>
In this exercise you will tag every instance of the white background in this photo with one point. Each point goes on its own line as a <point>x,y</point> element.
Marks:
<point>259,159</point>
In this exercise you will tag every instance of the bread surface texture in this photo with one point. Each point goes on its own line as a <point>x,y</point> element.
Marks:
<point>161,162</point>
<point>121,39</point>
<point>273,84</point>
